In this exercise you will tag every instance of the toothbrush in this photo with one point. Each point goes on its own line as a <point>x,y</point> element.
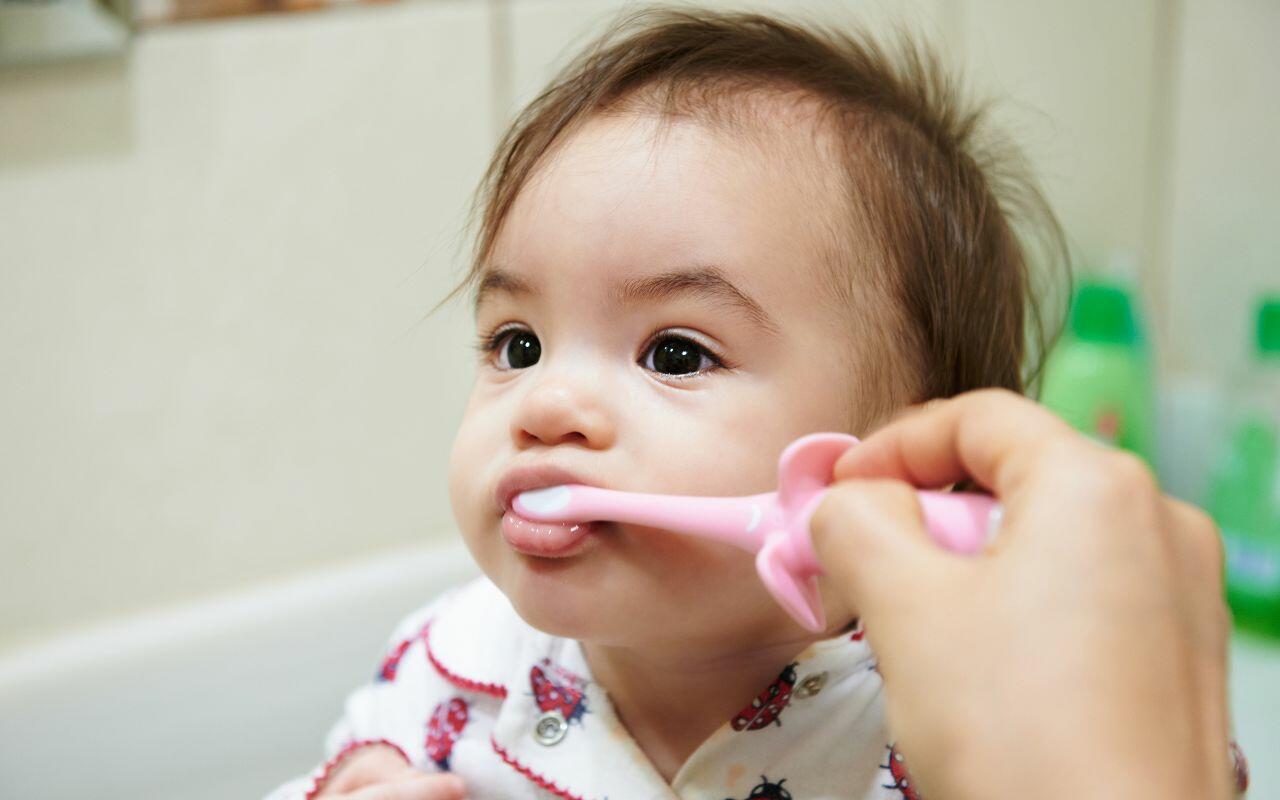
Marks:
<point>772,525</point>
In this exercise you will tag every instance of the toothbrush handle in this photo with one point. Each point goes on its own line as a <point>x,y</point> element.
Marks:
<point>740,521</point>
<point>962,522</point>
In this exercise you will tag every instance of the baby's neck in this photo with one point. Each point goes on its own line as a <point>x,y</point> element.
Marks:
<point>672,698</point>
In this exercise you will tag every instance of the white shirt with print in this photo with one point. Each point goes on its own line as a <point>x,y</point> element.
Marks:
<point>467,686</point>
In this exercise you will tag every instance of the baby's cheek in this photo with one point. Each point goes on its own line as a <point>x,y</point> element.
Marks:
<point>472,509</point>
<point>703,571</point>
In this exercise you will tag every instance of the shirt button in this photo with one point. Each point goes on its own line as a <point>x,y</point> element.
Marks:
<point>811,685</point>
<point>550,728</point>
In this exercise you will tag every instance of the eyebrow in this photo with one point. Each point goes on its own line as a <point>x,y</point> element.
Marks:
<point>703,281</point>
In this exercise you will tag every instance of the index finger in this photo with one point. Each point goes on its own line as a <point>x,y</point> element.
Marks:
<point>982,435</point>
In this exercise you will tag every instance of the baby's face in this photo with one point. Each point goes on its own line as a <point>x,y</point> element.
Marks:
<point>661,324</point>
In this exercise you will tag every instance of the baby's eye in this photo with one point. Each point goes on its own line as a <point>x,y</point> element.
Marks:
<point>676,355</point>
<point>518,349</point>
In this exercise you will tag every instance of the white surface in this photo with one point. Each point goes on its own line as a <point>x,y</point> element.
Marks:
<point>229,698</point>
<point>1255,703</point>
<point>220,700</point>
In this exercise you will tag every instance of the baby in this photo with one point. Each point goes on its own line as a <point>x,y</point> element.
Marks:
<point>712,234</point>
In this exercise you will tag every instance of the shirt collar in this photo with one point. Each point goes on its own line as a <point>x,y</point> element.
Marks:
<point>557,726</point>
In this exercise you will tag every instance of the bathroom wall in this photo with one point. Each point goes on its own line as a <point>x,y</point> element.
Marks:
<point>216,259</point>
<point>217,254</point>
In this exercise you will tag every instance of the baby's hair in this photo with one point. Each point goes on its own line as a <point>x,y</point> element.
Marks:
<point>954,220</point>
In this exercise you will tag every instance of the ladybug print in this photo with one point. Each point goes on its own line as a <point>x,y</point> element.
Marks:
<point>444,728</point>
<point>767,707</point>
<point>765,790</point>
<point>557,689</point>
<point>858,632</point>
<point>897,767</point>
<point>392,662</point>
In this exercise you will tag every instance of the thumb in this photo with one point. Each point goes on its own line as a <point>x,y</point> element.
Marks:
<point>870,538</point>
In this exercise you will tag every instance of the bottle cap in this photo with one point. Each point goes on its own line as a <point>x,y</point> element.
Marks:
<point>1103,312</point>
<point>1268,340</point>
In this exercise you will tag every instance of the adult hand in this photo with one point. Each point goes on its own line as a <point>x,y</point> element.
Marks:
<point>1082,655</point>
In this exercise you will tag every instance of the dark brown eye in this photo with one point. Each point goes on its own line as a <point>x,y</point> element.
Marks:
<point>676,355</point>
<point>522,349</point>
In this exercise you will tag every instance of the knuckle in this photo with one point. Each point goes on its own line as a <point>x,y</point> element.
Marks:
<point>1071,458</point>
<point>1100,476</point>
<point>1130,475</point>
<point>1060,449</point>
<point>991,400</point>
<point>997,394</point>
<point>1203,536</point>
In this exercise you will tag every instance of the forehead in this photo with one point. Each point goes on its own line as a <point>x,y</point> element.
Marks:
<point>624,196</point>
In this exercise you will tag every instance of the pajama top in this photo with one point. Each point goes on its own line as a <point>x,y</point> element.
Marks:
<point>466,686</point>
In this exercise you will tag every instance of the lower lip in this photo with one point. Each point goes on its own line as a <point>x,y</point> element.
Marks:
<point>546,539</point>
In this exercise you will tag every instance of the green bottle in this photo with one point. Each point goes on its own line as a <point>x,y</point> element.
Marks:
<point>1244,487</point>
<point>1098,377</point>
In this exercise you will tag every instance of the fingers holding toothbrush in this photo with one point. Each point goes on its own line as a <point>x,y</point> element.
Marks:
<point>1084,648</point>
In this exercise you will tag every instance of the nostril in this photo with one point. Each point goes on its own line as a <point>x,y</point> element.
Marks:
<point>528,437</point>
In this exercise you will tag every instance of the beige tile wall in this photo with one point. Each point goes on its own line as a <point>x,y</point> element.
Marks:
<point>1222,210</point>
<point>215,255</point>
<point>214,360</point>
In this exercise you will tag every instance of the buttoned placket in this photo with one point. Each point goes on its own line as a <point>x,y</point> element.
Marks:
<point>592,755</point>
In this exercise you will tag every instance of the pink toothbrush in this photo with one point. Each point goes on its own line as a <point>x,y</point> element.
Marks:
<point>773,525</point>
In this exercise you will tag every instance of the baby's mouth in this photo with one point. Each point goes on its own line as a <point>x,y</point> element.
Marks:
<point>547,539</point>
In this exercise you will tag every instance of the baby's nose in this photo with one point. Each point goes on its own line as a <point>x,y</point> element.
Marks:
<point>559,411</point>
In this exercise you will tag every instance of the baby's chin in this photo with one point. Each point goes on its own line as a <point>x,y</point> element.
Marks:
<point>631,585</point>
<point>575,597</point>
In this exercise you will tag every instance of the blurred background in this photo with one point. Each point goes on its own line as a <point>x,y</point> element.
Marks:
<point>225,416</point>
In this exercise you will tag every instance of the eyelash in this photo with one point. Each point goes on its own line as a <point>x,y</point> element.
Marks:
<point>488,342</point>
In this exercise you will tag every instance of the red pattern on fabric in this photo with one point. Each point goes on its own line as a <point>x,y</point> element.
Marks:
<point>530,774</point>
<point>444,729</point>
<point>766,709</point>
<point>326,771</point>
<point>391,663</point>
<point>558,689</point>
<point>897,767</point>
<point>1240,768</point>
<point>494,689</point>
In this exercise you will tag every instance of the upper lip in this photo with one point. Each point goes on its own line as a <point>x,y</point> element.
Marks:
<point>534,476</point>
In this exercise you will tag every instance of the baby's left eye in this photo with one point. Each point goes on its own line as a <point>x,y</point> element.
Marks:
<point>678,356</point>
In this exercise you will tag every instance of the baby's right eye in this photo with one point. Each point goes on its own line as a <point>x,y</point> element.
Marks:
<point>518,349</point>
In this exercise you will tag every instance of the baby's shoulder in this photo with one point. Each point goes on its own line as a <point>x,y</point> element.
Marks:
<point>478,599</point>
<point>467,635</point>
